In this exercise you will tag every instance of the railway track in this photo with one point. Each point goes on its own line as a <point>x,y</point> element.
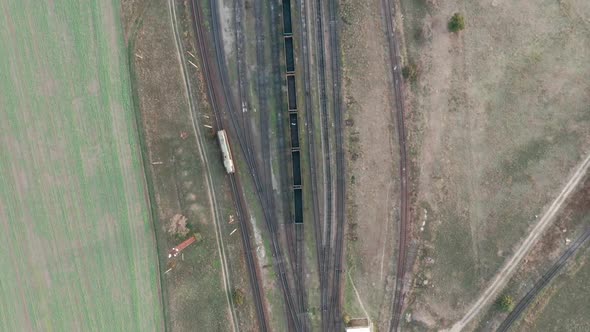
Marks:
<point>240,131</point>
<point>243,84</point>
<point>236,192</point>
<point>322,240</point>
<point>544,281</point>
<point>323,236</point>
<point>261,85</point>
<point>329,245</point>
<point>264,196</point>
<point>388,8</point>
<point>340,166</point>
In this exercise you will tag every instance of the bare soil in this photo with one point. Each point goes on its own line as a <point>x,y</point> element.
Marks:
<point>373,162</point>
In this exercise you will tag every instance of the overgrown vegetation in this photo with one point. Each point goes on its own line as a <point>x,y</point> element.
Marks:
<point>457,23</point>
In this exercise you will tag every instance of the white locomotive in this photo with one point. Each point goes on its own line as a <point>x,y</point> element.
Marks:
<point>228,161</point>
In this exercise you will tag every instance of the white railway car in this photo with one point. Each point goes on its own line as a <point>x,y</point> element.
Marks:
<point>228,161</point>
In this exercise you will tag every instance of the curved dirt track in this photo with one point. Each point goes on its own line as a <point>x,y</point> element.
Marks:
<point>504,275</point>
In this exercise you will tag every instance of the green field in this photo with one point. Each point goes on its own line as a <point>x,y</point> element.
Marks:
<point>77,249</point>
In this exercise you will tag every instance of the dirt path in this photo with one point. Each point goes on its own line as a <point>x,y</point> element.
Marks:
<point>502,278</point>
<point>358,297</point>
<point>203,155</point>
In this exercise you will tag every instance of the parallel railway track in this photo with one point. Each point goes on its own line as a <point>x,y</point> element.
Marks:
<point>324,234</point>
<point>396,78</point>
<point>312,153</point>
<point>329,236</point>
<point>241,133</point>
<point>263,109</point>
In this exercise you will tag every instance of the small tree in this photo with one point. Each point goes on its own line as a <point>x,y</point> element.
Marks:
<point>505,303</point>
<point>457,23</point>
<point>238,297</point>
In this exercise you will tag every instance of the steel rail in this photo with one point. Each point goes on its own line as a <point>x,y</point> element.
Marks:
<point>325,235</point>
<point>311,145</point>
<point>396,79</point>
<point>340,166</point>
<point>252,168</point>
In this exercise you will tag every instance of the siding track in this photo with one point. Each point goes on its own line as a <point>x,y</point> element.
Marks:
<point>388,8</point>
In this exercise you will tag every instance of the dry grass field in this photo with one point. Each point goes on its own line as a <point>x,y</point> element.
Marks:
<point>76,244</point>
<point>500,117</point>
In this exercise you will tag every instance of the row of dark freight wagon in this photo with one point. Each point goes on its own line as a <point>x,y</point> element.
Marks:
<point>293,116</point>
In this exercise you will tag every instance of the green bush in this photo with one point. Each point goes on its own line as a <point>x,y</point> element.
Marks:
<point>505,303</point>
<point>238,297</point>
<point>457,23</point>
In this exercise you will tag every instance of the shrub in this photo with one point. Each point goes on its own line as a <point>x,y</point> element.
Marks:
<point>457,23</point>
<point>411,72</point>
<point>505,303</point>
<point>238,297</point>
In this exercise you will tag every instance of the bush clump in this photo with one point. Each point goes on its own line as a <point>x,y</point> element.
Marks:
<point>457,23</point>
